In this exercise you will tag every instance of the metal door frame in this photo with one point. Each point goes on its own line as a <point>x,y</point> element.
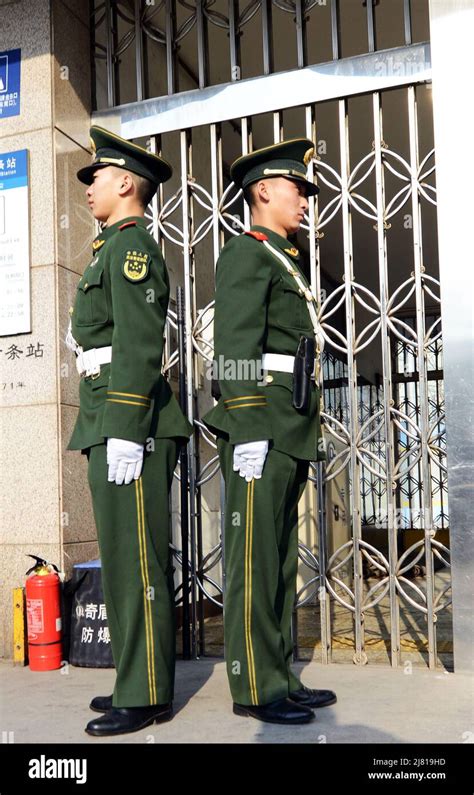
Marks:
<point>371,73</point>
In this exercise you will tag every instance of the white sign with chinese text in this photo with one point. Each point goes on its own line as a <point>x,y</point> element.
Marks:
<point>15,315</point>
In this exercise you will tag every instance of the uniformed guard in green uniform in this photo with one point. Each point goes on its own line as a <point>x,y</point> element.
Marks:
<point>131,427</point>
<point>267,422</point>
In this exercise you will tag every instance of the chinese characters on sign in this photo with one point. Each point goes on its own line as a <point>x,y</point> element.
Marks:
<point>31,351</point>
<point>15,352</point>
<point>93,612</point>
<point>10,66</point>
<point>15,317</point>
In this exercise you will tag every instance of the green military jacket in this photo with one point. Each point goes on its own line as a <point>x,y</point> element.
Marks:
<point>122,301</point>
<point>259,309</point>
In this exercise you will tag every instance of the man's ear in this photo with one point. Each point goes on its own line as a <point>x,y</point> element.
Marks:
<point>261,189</point>
<point>125,184</point>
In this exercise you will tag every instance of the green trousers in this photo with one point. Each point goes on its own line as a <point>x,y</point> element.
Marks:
<point>261,560</point>
<point>133,529</point>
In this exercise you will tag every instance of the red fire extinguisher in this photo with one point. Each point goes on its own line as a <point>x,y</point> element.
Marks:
<point>43,614</point>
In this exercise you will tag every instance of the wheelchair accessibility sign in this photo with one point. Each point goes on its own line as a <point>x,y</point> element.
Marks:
<point>10,63</point>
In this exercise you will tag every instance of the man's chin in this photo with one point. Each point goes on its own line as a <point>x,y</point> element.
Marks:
<point>100,217</point>
<point>294,228</point>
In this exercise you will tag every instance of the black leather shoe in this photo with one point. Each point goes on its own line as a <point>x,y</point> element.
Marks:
<point>122,720</point>
<point>101,703</point>
<point>313,698</point>
<point>281,711</point>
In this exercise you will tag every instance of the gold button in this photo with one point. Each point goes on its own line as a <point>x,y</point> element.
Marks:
<point>86,286</point>
<point>71,310</point>
<point>269,379</point>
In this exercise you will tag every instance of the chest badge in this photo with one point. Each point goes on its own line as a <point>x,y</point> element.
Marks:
<point>293,252</point>
<point>136,265</point>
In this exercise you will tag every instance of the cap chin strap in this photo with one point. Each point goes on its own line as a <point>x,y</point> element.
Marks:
<point>310,301</point>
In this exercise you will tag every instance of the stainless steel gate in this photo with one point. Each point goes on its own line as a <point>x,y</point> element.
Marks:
<point>370,245</point>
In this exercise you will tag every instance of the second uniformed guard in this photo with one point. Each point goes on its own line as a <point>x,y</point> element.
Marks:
<point>267,423</point>
<point>131,427</point>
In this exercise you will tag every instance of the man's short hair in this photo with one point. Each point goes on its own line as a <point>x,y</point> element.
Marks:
<point>249,194</point>
<point>145,189</point>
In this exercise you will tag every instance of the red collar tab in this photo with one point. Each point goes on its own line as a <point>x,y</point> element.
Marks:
<point>128,223</point>
<point>257,235</point>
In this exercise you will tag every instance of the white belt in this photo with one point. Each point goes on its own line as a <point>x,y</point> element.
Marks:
<point>280,362</point>
<point>88,362</point>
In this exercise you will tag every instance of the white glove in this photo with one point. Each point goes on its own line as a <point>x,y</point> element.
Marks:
<point>249,459</point>
<point>125,461</point>
<point>71,343</point>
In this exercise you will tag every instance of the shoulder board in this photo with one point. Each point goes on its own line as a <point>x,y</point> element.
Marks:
<point>257,235</point>
<point>128,223</point>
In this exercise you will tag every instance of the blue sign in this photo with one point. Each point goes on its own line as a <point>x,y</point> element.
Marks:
<point>10,65</point>
<point>14,169</point>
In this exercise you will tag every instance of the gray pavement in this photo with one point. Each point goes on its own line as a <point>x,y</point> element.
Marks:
<point>376,704</point>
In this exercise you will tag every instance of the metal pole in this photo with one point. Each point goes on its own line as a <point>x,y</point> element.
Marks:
<point>190,401</point>
<point>139,61</point>
<point>109,56</point>
<point>184,483</point>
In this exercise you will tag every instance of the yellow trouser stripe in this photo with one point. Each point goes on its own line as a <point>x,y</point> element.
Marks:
<point>140,543</point>
<point>146,602</point>
<point>248,592</point>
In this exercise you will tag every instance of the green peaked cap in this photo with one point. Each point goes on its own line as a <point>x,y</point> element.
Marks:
<point>111,150</point>
<point>286,159</point>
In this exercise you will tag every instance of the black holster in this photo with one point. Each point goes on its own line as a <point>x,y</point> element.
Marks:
<point>215,389</point>
<point>302,372</point>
